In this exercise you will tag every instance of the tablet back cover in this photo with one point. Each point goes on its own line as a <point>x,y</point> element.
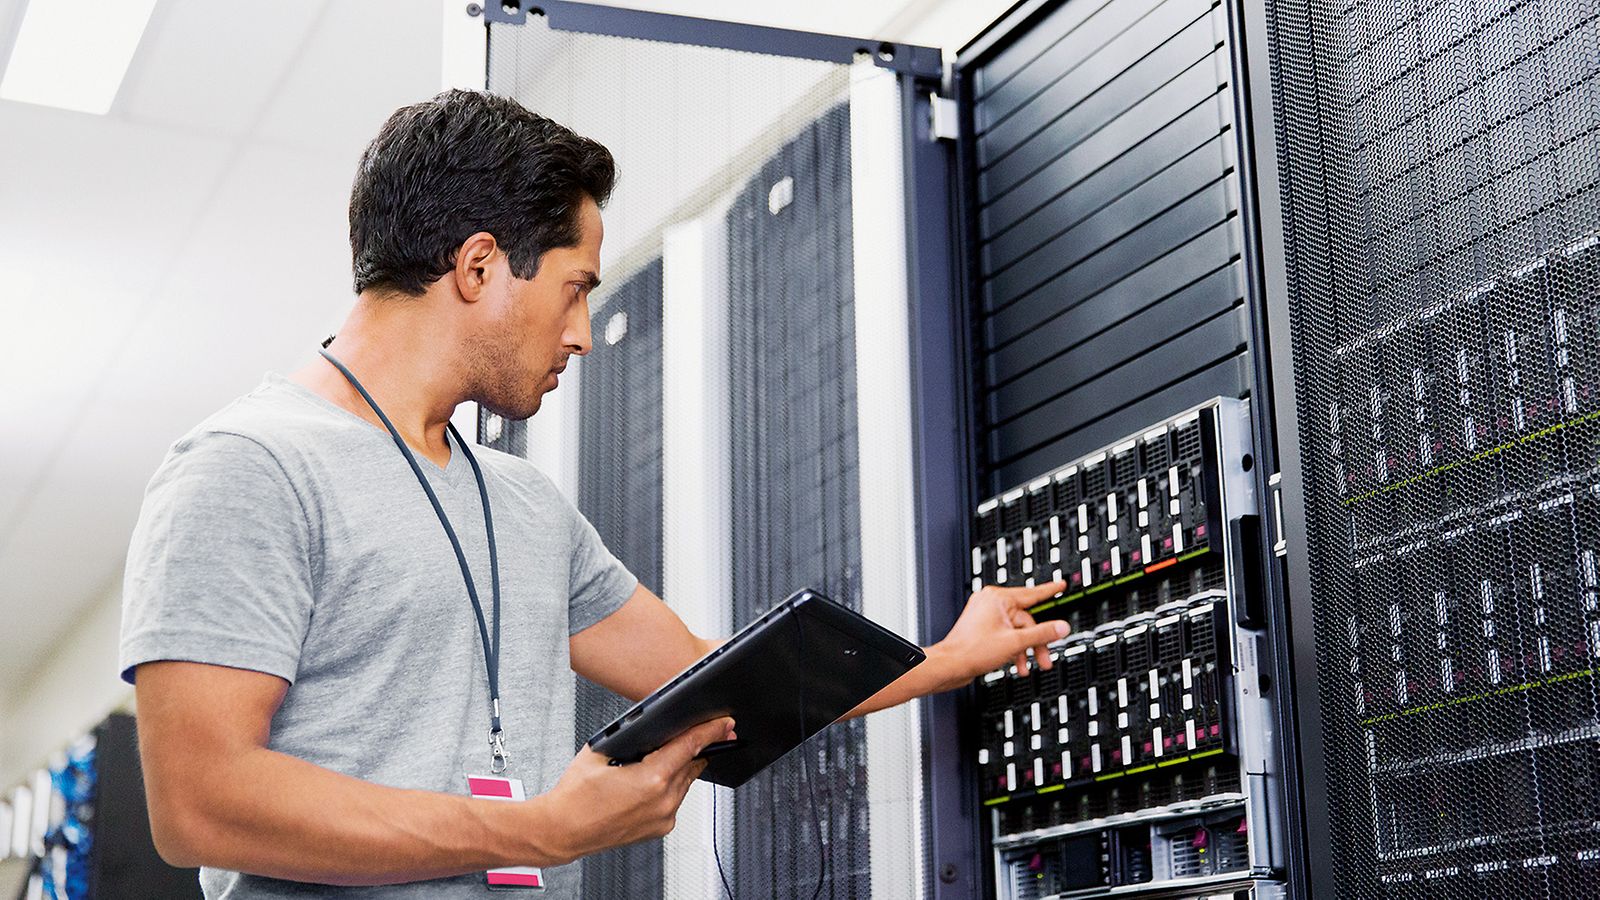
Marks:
<point>785,677</point>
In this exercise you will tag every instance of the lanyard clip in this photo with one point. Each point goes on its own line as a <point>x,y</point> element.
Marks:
<point>498,757</point>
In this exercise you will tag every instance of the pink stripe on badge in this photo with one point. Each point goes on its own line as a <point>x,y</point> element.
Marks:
<point>515,879</point>
<point>489,787</point>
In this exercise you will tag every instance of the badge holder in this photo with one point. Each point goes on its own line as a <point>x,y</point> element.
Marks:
<point>514,878</point>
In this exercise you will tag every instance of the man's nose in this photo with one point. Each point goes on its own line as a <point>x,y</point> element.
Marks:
<point>579,337</point>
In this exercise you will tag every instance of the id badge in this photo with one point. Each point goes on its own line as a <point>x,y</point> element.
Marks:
<point>515,878</point>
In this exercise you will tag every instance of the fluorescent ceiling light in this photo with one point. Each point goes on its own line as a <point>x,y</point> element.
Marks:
<point>74,55</point>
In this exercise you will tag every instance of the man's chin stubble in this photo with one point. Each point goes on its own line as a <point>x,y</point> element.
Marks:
<point>521,408</point>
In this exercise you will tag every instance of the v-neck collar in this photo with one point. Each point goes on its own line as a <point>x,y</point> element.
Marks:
<point>451,471</point>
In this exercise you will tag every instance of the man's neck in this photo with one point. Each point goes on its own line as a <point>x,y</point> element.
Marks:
<point>401,366</point>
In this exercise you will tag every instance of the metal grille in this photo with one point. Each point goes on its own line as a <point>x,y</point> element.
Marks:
<point>796,488</point>
<point>620,492</point>
<point>506,435</point>
<point>1440,166</point>
<point>1106,214</point>
<point>619,438</point>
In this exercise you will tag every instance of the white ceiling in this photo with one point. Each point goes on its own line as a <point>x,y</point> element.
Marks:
<point>156,261</point>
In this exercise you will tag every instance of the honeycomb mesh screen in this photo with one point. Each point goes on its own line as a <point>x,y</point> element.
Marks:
<point>714,435</point>
<point>1440,200</point>
<point>796,507</point>
<point>619,490</point>
<point>506,435</point>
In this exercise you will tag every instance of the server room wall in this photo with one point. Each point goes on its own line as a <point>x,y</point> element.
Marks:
<point>746,237</point>
<point>69,694</point>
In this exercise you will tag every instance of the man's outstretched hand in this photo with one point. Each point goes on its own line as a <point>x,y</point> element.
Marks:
<point>996,628</point>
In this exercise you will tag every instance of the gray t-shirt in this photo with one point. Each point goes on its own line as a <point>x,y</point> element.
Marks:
<point>287,535</point>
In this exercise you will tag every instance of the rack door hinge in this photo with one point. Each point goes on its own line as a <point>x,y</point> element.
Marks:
<point>945,122</point>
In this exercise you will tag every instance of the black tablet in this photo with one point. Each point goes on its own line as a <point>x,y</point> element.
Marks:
<point>783,678</point>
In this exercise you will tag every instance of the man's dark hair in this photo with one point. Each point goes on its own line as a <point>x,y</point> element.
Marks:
<point>466,161</point>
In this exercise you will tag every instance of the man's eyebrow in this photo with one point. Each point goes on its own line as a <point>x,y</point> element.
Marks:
<point>586,275</point>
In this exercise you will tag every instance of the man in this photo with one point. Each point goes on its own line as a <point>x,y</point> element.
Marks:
<point>312,684</point>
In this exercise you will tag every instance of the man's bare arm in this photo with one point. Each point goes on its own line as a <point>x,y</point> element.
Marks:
<point>994,628</point>
<point>658,644</point>
<point>218,797</point>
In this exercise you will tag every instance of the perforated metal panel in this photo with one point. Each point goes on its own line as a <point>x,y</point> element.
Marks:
<point>1439,175</point>
<point>506,435</point>
<point>619,439</point>
<point>620,491</point>
<point>795,479</point>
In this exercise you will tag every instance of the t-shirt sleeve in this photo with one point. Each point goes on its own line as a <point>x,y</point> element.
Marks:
<point>600,583</point>
<point>219,564</point>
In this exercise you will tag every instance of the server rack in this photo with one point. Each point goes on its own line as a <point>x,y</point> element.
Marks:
<point>1112,251</point>
<point>982,379</point>
<point>1371,224</point>
<point>795,476</point>
<point>80,828</point>
<point>949,414</point>
<point>620,492</point>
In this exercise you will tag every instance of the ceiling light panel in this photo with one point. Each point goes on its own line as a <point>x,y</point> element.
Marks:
<point>74,56</point>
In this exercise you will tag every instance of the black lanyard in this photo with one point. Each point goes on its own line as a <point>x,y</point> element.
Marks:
<point>491,648</point>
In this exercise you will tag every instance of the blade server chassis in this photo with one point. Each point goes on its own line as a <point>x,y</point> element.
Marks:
<point>1141,763</point>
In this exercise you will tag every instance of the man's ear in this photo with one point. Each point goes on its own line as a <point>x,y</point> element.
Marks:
<point>472,272</point>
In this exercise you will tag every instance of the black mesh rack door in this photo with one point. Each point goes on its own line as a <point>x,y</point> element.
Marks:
<point>1439,167</point>
<point>620,491</point>
<point>506,435</point>
<point>796,515</point>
